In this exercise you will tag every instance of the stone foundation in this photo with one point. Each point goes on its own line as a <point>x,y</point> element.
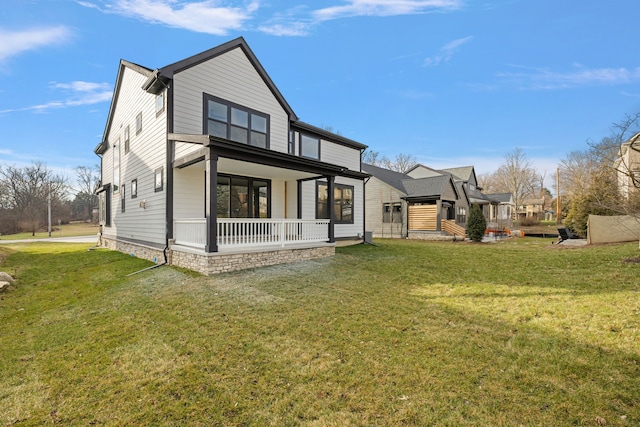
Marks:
<point>219,262</point>
<point>136,249</point>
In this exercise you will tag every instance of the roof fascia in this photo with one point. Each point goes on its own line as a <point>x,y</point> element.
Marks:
<point>330,136</point>
<point>102,147</point>
<point>170,70</point>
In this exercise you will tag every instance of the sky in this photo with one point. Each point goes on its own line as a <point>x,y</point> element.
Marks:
<point>451,82</point>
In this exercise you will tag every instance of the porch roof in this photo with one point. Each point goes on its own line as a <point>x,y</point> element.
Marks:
<point>263,156</point>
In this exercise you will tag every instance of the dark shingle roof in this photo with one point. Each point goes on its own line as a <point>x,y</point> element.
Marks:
<point>426,187</point>
<point>387,176</point>
<point>499,197</point>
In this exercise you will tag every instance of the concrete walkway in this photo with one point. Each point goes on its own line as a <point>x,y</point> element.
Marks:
<point>573,242</point>
<point>72,239</point>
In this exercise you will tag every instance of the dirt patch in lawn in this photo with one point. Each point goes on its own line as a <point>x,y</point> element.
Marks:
<point>632,260</point>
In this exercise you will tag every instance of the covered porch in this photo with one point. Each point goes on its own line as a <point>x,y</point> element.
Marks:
<point>234,198</point>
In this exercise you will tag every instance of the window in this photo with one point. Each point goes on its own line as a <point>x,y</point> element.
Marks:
<point>292,142</point>
<point>122,198</point>
<point>236,123</point>
<point>243,197</point>
<point>134,188</point>
<point>126,139</point>
<point>159,103</point>
<point>116,167</point>
<point>309,146</point>
<point>159,179</point>
<point>461,215</point>
<point>342,202</point>
<point>139,123</point>
<point>392,213</point>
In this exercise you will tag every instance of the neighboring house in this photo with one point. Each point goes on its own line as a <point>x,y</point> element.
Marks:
<point>205,164</point>
<point>627,165</point>
<point>538,208</point>
<point>399,205</point>
<point>464,177</point>
<point>504,211</point>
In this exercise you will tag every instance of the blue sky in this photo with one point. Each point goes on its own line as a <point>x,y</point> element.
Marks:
<point>452,82</point>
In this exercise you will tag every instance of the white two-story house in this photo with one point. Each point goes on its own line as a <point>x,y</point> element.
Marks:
<point>206,166</point>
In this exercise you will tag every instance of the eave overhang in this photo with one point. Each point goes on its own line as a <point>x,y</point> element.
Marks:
<point>263,156</point>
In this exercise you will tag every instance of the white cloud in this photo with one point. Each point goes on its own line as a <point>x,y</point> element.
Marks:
<point>384,8</point>
<point>446,52</point>
<point>290,29</point>
<point>15,42</point>
<point>78,93</point>
<point>202,16</point>
<point>543,78</point>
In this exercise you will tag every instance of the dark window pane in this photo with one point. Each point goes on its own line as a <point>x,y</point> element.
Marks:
<point>259,139</point>
<point>217,111</point>
<point>238,134</point>
<point>309,147</point>
<point>223,197</point>
<point>239,198</point>
<point>217,129</point>
<point>258,123</point>
<point>260,199</point>
<point>239,118</point>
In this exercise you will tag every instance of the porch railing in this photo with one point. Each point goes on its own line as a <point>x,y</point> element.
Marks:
<point>247,232</point>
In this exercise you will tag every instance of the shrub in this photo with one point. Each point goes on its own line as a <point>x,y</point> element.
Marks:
<point>529,221</point>
<point>476,224</point>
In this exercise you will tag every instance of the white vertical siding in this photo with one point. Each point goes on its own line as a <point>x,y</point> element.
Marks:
<point>146,154</point>
<point>232,77</point>
<point>277,199</point>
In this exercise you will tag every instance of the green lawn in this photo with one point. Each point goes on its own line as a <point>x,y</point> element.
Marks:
<point>65,230</point>
<point>404,333</point>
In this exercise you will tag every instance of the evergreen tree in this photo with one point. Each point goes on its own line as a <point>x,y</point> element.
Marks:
<point>476,224</point>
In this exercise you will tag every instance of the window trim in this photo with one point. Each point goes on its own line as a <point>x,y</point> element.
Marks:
<point>160,110</point>
<point>139,123</point>
<point>250,180</point>
<point>392,217</point>
<point>134,188</point>
<point>122,199</point>
<point>205,120</point>
<point>335,200</point>
<point>116,167</point>
<point>158,172</point>
<point>127,139</point>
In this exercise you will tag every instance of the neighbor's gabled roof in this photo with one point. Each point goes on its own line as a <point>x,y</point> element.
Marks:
<point>430,187</point>
<point>389,177</point>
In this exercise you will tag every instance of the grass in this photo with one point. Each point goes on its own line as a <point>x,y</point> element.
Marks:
<point>66,230</point>
<point>404,333</point>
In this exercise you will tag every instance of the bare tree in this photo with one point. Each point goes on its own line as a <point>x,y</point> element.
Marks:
<point>401,163</point>
<point>27,191</point>
<point>87,182</point>
<point>371,157</point>
<point>517,176</point>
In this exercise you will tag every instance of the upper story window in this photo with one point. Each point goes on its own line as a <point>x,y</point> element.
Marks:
<point>159,103</point>
<point>139,123</point>
<point>126,139</point>
<point>292,142</point>
<point>236,123</point>
<point>116,167</point>
<point>309,146</point>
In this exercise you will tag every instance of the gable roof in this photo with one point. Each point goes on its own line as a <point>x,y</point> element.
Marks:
<point>500,197</point>
<point>463,173</point>
<point>170,70</point>
<point>392,178</point>
<point>334,137</point>
<point>421,166</point>
<point>430,187</point>
<point>100,148</point>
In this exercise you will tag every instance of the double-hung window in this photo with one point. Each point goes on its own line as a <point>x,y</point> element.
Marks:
<point>392,213</point>
<point>342,202</point>
<point>236,123</point>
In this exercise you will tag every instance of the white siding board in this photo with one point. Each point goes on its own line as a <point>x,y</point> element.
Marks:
<point>378,193</point>
<point>147,153</point>
<point>337,154</point>
<point>189,193</point>
<point>229,76</point>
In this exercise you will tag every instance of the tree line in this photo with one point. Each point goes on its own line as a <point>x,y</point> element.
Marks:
<point>28,192</point>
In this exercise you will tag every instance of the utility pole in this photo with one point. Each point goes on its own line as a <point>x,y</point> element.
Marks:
<point>49,210</point>
<point>558,204</point>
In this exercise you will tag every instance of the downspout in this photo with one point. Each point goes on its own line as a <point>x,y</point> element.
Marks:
<point>164,252</point>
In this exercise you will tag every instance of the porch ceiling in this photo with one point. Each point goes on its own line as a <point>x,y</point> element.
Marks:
<point>238,167</point>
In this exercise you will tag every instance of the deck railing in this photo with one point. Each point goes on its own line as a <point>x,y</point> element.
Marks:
<point>251,232</point>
